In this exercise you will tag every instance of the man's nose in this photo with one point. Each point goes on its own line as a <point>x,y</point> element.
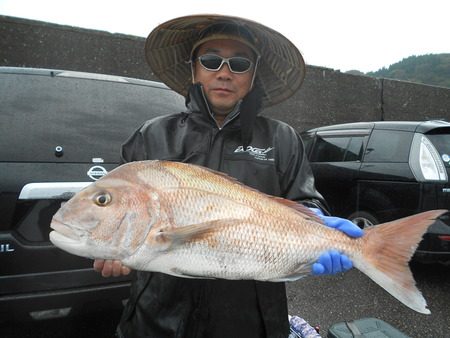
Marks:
<point>224,70</point>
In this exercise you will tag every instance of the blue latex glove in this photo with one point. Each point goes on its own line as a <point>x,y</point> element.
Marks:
<point>332,262</point>
<point>341,224</point>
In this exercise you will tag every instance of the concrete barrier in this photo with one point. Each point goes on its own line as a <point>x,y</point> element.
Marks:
<point>327,96</point>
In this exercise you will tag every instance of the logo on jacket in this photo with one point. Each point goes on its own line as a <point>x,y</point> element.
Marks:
<point>257,153</point>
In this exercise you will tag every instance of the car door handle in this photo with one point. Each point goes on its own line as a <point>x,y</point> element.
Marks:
<point>51,190</point>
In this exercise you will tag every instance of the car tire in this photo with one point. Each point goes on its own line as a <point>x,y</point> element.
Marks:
<point>363,219</point>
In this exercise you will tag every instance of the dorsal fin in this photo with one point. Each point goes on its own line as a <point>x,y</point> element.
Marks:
<point>305,211</point>
<point>291,204</point>
<point>298,207</point>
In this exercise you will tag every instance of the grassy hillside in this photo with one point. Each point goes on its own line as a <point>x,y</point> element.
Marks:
<point>432,69</point>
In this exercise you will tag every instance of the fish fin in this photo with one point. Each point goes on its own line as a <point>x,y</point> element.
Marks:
<point>387,250</point>
<point>197,169</point>
<point>180,273</point>
<point>303,270</point>
<point>180,235</point>
<point>300,208</point>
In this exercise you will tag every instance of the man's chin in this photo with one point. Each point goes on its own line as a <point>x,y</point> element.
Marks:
<point>222,108</point>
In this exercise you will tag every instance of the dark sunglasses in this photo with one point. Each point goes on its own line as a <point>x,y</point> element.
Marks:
<point>236,64</point>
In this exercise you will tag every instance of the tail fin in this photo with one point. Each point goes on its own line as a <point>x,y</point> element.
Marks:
<point>386,252</point>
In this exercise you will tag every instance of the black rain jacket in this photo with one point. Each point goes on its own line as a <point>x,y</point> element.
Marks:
<point>274,162</point>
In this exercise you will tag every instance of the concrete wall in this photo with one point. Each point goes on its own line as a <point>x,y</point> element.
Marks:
<point>26,43</point>
<point>327,96</point>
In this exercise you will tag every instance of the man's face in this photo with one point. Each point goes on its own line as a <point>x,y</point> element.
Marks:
<point>224,88</point>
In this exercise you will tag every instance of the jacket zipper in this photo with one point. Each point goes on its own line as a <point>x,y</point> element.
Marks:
<point>233,112</point>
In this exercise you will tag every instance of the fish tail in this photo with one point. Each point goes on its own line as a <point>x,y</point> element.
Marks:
<point>386,251</point>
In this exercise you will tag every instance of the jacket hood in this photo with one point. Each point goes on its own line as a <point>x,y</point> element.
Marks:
<point>247,109</point>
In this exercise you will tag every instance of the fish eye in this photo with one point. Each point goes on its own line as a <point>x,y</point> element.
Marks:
<point>102,199</point>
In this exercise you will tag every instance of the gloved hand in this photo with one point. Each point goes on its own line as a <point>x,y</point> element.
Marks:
<point>332,262</point>
<point>341,224</point>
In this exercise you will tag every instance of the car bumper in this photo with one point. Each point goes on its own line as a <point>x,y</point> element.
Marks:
<point>436,243</point>
<point>63,303</point>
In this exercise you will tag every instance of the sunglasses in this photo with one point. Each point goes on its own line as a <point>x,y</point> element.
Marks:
<point>236,64</point>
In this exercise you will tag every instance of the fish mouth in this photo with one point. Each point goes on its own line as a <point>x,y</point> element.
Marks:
<point>69,244</point>
<point>64,230</point>
<point>61,240</point>
<point>76,241</point>
<point>66,238</point>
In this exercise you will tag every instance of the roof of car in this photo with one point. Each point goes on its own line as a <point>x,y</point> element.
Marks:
<point>80,75</point>
<point>419,126</point>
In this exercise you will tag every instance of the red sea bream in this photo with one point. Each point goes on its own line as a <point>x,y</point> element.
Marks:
<point>188,221</point>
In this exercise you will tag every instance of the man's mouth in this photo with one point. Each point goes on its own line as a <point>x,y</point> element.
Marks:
<point>222,89</point>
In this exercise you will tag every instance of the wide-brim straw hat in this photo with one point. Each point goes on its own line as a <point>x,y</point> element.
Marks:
<point>168,49</point>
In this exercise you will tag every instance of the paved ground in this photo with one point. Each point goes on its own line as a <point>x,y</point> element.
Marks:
<point>327,300</point>
<point>321,301</point>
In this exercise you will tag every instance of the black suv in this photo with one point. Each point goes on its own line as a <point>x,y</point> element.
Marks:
<point>59,131</point>
<point>374,172</point>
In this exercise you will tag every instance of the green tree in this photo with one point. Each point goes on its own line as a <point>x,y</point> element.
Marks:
<point>431,69</point>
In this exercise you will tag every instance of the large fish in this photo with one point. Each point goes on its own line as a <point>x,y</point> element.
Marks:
<point>188,221</point>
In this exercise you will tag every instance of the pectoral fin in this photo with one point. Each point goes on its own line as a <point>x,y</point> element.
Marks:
<point>181,235</point>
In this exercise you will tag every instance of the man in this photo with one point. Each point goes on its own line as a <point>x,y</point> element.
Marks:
<point>228,69</point>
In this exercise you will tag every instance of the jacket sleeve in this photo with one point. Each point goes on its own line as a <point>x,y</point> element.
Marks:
<point>296,176</point>
<point>134,147</point>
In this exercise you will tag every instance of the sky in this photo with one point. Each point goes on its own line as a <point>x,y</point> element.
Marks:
<point>344,35</point>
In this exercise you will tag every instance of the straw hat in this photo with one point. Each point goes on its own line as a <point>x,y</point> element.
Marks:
<point>168,49</point>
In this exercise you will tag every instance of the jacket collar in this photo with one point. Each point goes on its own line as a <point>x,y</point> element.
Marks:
<point>250,107</point>
<point>196,101</point>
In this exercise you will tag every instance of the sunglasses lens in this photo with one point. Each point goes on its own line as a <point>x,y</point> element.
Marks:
<point>211,62</point>
<point>239,64</point>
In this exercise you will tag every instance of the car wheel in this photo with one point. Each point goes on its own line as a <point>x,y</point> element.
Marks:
<point>363,219</point>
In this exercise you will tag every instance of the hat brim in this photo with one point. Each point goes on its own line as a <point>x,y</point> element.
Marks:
<point>280,72</point>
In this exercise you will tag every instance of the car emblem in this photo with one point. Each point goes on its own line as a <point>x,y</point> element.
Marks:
<point>96,172</point>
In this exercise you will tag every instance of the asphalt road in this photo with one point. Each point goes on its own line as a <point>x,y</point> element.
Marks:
<point>321,301</point>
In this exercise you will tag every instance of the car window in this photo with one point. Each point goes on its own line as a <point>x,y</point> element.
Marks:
<point>388,146</point>
<point>354,149</point>
<point>85,118</point>
<point>337,149</point>
<point>442,144</point>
